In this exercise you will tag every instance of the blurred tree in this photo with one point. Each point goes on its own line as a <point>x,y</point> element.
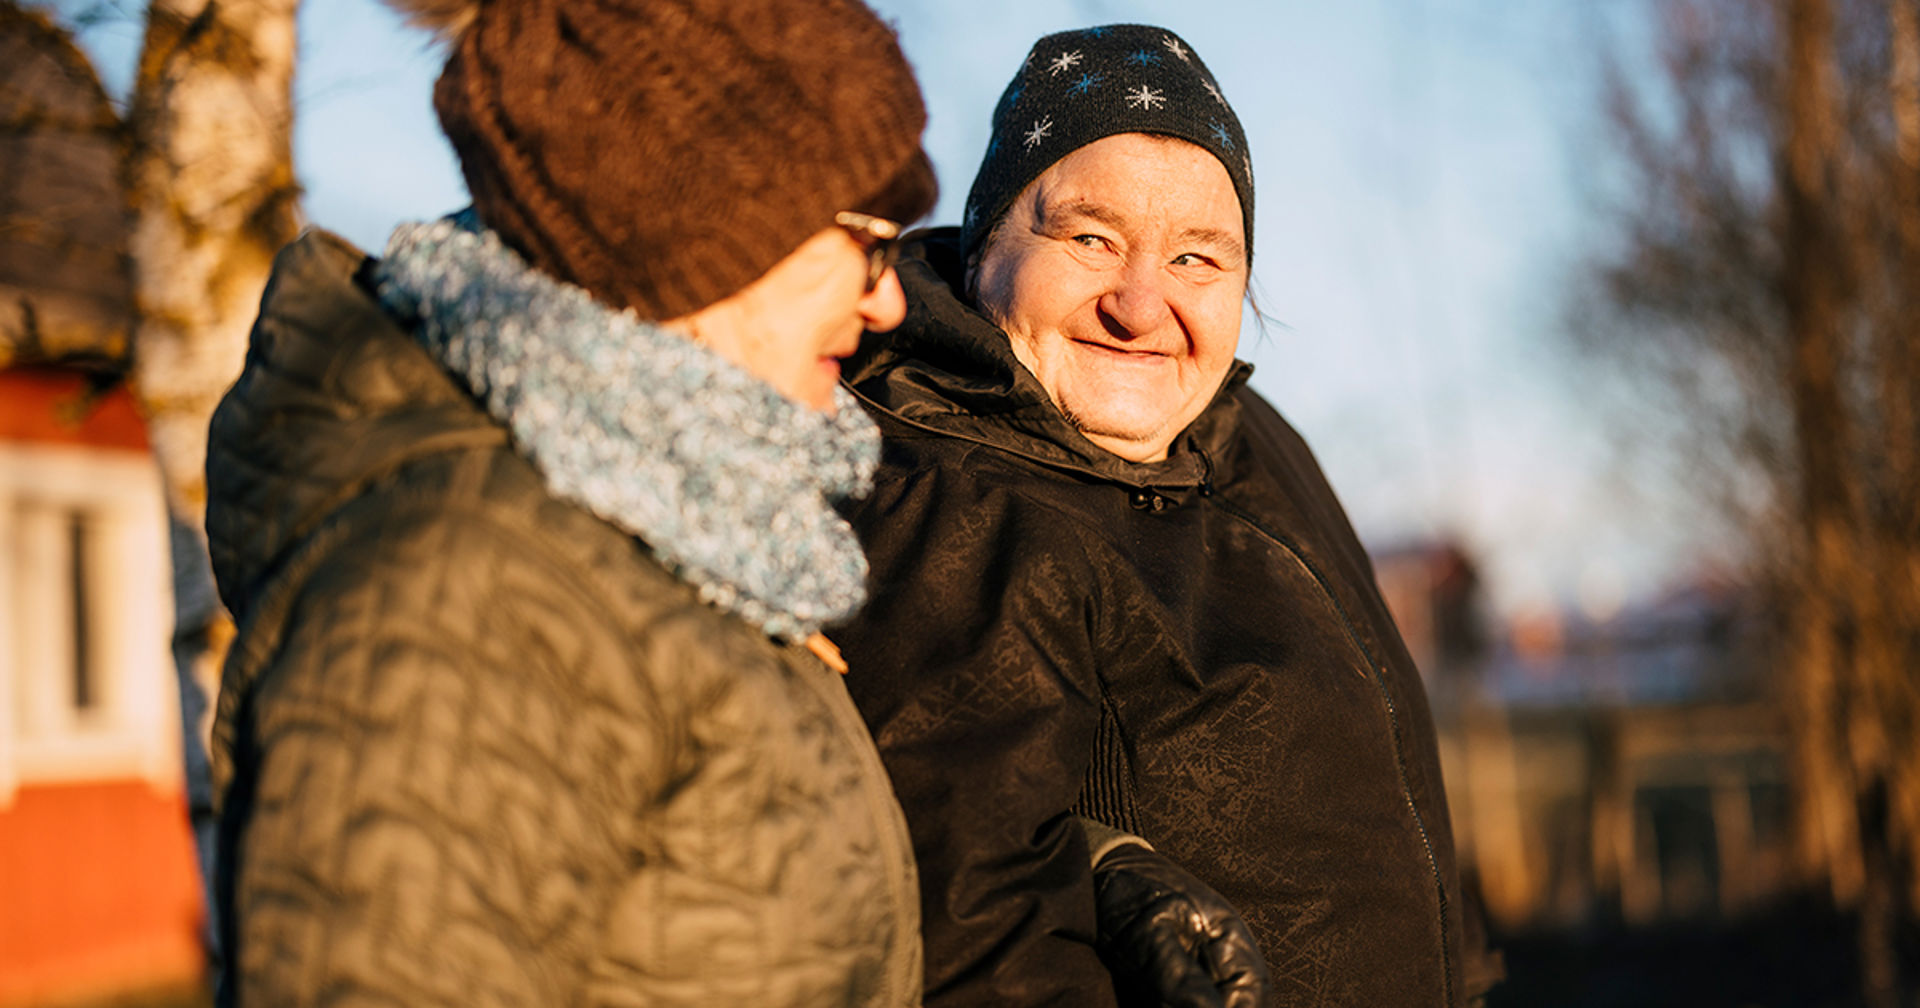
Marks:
<point>1768,270</point>
<point>66,287</point>
<point>206,190</point>
<point>210,180</point>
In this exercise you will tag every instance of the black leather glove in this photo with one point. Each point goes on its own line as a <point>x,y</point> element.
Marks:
<point>1169,940</point>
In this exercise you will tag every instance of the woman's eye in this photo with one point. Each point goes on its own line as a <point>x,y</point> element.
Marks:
<point>1190,259</point>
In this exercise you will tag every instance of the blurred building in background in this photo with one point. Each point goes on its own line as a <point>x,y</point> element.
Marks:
<point>1630,772</point>
<point>99,892</point>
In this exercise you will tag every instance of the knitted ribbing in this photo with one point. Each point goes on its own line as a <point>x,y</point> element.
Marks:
<point>663,154</point>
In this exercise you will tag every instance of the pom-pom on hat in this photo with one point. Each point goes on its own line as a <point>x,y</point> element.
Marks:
<point>663,154</point>
<point>1089,83</point>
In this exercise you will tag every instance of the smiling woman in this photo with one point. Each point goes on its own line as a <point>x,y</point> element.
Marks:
<point>1111,580</point>
<point>1118,275</point>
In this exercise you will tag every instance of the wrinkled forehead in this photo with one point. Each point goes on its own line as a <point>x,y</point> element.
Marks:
<point>1137,183</point>
<point>1147,188</point>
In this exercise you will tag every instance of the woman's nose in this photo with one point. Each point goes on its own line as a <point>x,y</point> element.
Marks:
<point>885,306</point>
<point>1137,302</point>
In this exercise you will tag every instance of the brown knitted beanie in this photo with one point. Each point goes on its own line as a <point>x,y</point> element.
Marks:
<point>663,154</point>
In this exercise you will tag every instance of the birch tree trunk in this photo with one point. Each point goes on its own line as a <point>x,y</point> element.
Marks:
<point>211,183</point>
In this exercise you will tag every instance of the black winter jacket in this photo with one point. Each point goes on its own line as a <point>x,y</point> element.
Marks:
<point>478,747</point>
<point>1193,650</point>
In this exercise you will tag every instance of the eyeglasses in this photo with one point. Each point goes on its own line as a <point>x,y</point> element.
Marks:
<point>881,238</point>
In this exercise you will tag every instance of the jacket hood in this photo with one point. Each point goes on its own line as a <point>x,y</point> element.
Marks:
<point>948,368</point>
<point>335,394</point>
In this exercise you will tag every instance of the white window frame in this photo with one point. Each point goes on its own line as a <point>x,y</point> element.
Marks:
<point>132,728</point>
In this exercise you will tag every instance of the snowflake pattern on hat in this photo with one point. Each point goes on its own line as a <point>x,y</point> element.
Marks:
<point>1144,97</point>
<point>1078,86</point>
<point>1042,128</point>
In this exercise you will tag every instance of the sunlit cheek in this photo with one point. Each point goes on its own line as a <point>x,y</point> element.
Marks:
<point>1222,329</point>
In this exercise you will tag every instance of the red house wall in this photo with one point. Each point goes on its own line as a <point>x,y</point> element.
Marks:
<point>100,892</point>
<point>99,888</point>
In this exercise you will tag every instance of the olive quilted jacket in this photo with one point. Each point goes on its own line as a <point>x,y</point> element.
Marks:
<point>477,747</point>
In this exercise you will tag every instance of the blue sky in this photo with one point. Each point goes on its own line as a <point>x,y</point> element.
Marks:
<point>1425,171</point>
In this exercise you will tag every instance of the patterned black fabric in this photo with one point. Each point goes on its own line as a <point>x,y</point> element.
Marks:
<point>1193,647</point>
<point>1079,86</point>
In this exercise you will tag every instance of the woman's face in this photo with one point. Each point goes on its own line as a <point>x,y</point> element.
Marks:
<point>791,326</point>
<point>1118,275</point>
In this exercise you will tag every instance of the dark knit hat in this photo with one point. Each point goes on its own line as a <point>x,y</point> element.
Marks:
<point>663,154</point>
<point>1082,85</point>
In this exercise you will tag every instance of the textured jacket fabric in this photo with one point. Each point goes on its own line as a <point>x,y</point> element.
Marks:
<point>476,746</point>
<point>1192,650</point>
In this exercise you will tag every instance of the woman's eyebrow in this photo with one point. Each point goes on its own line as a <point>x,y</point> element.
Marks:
<point>1084,208</point>
<point>1215,237</point>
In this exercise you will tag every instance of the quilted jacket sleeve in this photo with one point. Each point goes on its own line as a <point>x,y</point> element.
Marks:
<point>973,665</point>
<point>444,756</point>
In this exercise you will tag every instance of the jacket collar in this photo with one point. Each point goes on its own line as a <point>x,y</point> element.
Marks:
<point>334,397</point>
<point>949,369</point>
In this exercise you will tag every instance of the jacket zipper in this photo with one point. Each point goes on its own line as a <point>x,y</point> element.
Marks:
<point>1375,673</point>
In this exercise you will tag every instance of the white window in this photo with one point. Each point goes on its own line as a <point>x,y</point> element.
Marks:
<point>87,689</point>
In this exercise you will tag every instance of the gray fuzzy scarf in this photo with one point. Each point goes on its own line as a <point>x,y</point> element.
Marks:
<point>727,482</point>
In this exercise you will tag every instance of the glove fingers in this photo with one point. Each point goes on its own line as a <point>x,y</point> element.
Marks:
<point>1239,971</point>
<point>1165,950</point>
<point>1169,933</point>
